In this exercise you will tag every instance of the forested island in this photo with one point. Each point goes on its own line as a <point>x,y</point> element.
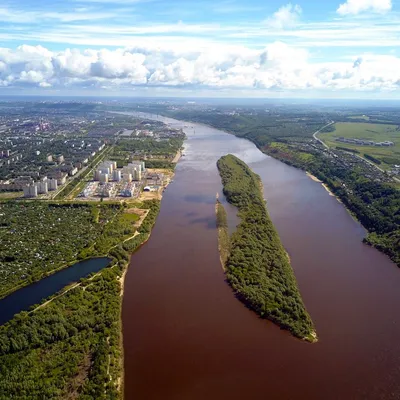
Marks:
<point>258,267</point>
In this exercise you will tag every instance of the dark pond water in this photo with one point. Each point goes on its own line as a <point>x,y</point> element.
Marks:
<point>33,294</point>
<point>187,337</point>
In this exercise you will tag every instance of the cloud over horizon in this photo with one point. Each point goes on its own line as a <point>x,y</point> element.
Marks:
<point>277,67</point>
<point>357,6</point>
<point>215,45</point>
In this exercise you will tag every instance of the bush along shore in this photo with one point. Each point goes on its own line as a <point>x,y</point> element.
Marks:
<point>258,267</point>
<point>224,243</point>
<point>71,348</point>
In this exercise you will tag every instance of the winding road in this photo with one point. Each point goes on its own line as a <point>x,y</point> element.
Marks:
<point>318,131</point>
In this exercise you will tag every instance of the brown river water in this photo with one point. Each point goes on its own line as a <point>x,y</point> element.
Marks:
<point>187,337</point>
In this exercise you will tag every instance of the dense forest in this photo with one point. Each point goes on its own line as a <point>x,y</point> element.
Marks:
<point>71,347</point>
<point>68,349</point>
<point>258,267</point>
<point>259,127</point>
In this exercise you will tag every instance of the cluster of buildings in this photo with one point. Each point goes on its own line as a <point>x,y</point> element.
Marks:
<point>362,142</point>
<point>107,171</point>
<point>126,189</point>
<point>42,187</point>
<point>7,157</point>
<point>134,171</point>
<point>110,181</point>
<point>111,189</point>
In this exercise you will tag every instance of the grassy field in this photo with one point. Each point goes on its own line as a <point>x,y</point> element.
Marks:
<point>11,195</point>
<point>364,117</point>
<point>376,132</point>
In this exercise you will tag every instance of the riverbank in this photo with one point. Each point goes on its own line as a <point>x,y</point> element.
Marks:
<point>223,234</point>
<point>258,267</point>
<point>324,185</point>
<point>177,157</point>
<point>335,273</point>
<point>100,342</point>
<point>361,197</point>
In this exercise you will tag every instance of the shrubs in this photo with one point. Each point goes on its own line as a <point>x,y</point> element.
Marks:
<point>224,243</point>
<point>372,158</point>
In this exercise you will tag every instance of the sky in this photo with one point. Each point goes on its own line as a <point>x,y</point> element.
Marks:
<point>221,48</point>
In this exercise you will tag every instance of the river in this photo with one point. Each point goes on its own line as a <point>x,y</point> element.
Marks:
<point>28,296</point>
<point>187,337</point>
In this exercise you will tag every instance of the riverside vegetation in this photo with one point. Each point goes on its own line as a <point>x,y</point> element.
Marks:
<point>223,234</point>
<point>375,205</point>
<point>72,347</point>
<point>287,136</point>
<point>258,267</point>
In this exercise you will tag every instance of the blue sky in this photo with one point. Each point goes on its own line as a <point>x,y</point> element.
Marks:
<point>328,48</point>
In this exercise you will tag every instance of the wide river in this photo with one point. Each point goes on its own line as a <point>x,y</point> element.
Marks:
<point>187,337</point>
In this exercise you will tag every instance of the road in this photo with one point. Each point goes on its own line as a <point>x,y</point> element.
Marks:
<point>318,131</point>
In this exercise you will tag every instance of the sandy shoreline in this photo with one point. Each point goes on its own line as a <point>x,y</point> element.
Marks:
<point>315,179</point>
<point>219,231</point>
<point>177,157</point>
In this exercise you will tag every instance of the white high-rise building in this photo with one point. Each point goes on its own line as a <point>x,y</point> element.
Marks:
<point>31,190</point>
<point>103,178</point>
<point>52,184</point>
<point>42,187</point>
<point>117,175</point>
<point>127,177</point>
<point>137,174</point>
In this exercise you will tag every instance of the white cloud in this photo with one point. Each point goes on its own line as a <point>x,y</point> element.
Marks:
<point>287,16</point>
<point>355,7</point>
<point>17,16</point>
<point>276,67</point>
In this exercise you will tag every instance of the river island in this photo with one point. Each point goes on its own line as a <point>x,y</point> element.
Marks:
<point>258,268</point>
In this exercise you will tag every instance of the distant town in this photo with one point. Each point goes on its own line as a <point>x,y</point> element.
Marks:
<point>44,150</point>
